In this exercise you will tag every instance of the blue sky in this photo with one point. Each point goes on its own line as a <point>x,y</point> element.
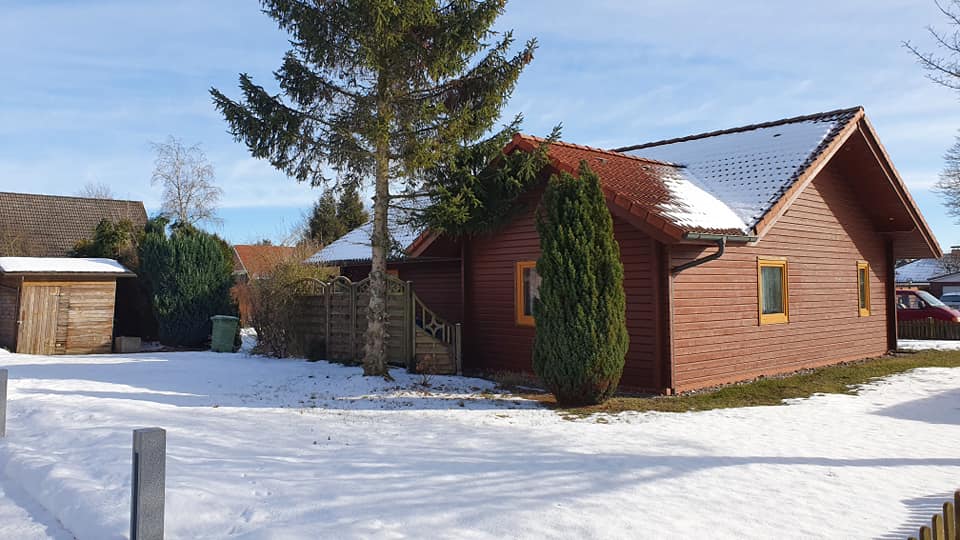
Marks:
<point>87,85</point>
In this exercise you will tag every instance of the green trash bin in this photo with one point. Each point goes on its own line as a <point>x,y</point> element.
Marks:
<point>224,331</point>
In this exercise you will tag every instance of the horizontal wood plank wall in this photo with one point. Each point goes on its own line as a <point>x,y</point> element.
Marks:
<point>717,338</point>
<point>89,324</point>
<point>437,283</point>
<point>8,312</point>
<point>493,340</point>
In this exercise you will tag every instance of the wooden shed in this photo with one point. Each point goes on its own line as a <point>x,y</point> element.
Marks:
<point>53,305</point>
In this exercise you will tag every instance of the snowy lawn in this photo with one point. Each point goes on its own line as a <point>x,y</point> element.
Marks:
<point>928,344</point>
<point>264,448</point>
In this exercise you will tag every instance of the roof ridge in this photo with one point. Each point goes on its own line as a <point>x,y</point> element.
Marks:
<point>77,197</point>
<point>740,129</point>
<point>599,150</point>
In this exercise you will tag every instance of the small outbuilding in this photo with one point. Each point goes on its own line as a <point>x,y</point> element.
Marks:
<point>58,305</point>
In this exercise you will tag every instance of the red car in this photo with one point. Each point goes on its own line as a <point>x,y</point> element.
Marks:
<point>918,305</point>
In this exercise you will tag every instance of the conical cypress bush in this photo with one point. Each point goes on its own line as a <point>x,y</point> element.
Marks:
<point>581,337</point>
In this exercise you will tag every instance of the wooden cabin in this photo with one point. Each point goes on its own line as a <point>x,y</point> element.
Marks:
<point>52,305</point>
<point>751,251</point>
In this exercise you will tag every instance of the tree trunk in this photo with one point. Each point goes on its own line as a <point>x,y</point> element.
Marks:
<point>375,350</point>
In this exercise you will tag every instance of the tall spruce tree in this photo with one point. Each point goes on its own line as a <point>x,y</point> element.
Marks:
<point>580,316</point>
<point>324,226</point>
<point>350,211</point>
<point>380,89</point>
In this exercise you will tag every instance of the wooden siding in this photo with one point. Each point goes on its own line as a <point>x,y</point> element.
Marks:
<point>9,293</point>
<point>437,283</point>
<point>90,317</point>
<point>717,338</point>
<point>66,317</point>
<point>493,341</point>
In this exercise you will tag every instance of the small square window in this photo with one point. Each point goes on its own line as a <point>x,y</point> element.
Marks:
<point>527,290</point>
<point>772,291</point>
<point>863,288</point>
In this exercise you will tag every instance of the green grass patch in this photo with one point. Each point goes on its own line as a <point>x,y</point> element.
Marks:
<point>838,379</point>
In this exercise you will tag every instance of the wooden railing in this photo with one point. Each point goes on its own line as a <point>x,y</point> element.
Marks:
<point>437,328</point>
<point>928,329</point>
<point>943,526</point>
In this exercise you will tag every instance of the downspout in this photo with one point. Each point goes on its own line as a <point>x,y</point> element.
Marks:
<point>719,239</point>
<point>721,246</point>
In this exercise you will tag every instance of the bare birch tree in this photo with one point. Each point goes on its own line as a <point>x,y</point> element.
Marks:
<point>189,195</point>
<point>95,190</point>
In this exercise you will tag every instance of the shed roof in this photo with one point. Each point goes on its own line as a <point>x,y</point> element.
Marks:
<point>51,226</point>
<point>61,266</point>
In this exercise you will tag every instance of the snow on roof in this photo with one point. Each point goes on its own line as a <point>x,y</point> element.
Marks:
<point>921,271</point>
<point>749,168</point>
<point>355,245</point>
<point>60,265</point>
<point>693,207</point>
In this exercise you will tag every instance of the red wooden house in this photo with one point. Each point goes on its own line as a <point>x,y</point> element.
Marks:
<point>750,251</point>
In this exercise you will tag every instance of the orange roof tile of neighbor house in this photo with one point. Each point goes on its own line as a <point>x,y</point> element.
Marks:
<point>256,260</point>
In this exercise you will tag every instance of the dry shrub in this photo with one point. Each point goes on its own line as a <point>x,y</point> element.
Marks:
<point>272,299</point>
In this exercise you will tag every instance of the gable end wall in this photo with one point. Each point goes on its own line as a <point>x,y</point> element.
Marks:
<point>717,338</point>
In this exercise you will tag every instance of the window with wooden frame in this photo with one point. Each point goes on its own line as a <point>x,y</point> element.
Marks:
<point>863,288</point>
<point>526,291</point>
<point>773,291</point>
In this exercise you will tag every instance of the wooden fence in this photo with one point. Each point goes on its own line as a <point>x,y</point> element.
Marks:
<point>928,329</point>
<point>330,322</point>
<point>943,526</point>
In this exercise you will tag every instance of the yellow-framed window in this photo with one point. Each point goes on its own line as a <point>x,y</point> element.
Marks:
<point>526,291</point>
<point>773,291</point>
<point>863,288</point>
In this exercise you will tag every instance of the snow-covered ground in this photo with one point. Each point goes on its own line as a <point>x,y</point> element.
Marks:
<point>265,448</point>
<point>927,344</point>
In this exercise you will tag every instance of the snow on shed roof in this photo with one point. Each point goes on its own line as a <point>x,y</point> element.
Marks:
<point>355,245</point>
<point>60,265</point>
<point>750,168</point>
<point>921,271</point>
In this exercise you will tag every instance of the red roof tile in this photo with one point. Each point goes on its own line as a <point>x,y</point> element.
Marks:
<point>256,260</point>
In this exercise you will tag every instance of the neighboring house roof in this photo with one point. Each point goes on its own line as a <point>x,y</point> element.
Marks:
<point>61,265</point>
<point>355,247</point>
<point>750,168</point>
<point>947,278</point>
<point>51,226</point>
<point>257,260</point>
<point>923,271</point>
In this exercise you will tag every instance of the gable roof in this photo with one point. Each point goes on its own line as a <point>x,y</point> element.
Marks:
<point>733,183</point>
<point>923,271</point>
<point>50,226</point>
<point>751,168</point>
<point>256,260</point>
<point>355,247</point>
<point>661,195</point>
